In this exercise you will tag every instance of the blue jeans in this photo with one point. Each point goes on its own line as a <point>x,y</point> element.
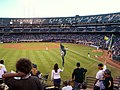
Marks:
<point>77,86</point>
<point>57,82</point>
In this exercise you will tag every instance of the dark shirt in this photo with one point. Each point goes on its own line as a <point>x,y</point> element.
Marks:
<point>108,83</point>
<point>79,73</point>
<point>37,74</point>
<point>31,83</point>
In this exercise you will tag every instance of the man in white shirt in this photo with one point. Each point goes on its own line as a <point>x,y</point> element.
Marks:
<point>2,70</point>
<point>99,76</point>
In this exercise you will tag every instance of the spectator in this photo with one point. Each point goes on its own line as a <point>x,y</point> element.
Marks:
<point>67,86</point>
<point>108,82</point>
<point>26,81</point>
<point>56,75</point>
<point>2,70</point>
<point>99,76</point>
<point>78,76</point>
<point>35,72</point>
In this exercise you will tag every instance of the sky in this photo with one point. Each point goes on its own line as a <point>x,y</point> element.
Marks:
<point>56,8</point>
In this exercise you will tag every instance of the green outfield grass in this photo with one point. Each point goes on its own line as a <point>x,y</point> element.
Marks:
<point>45,59</point>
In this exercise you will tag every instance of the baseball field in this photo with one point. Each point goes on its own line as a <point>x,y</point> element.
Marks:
<point>45,55</point>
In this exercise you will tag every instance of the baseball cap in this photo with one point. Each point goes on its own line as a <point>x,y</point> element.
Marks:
<point>34,66</point>
<point>107,71</point>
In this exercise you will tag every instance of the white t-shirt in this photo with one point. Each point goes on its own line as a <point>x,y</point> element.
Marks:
<point>67,88</point>
<point>99,75</point>
<point>2,70</point>
<point>56,75</point>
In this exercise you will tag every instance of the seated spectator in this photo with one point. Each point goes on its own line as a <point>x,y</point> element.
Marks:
<point>67,86</point>
<point>26,81</point>
<point>35,72</point>
<point>2,70</point>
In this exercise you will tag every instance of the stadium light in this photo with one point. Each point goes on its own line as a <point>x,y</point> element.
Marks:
<point>29,6</point>
<point>11,22</point>
<point>30,22</point>
<point>21,22</point>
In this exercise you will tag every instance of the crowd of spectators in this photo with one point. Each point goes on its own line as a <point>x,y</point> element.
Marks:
<point>116,47</point>
<point>62,29</point>
<point>83,38</point>
<point>25,78</point>
<point>15,29</point>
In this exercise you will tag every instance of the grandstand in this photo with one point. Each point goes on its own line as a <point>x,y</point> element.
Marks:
<point>63,29</point>
<point>87,30</point>
<point>94,23</point>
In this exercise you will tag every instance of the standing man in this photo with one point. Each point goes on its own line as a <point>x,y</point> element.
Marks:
<point>99,76</point>
<point>78,76</point>
<point>2,70</point>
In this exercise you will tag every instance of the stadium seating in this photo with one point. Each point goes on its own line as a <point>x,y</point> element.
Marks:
<point>77,29</point>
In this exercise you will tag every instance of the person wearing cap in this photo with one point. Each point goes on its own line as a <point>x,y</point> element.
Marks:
<point>108,81</point>
<point>35,71</point>
<point>99,76</point>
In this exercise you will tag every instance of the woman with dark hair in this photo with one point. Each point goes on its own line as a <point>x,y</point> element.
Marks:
<point>55,76</point>
<point>25,80</point>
